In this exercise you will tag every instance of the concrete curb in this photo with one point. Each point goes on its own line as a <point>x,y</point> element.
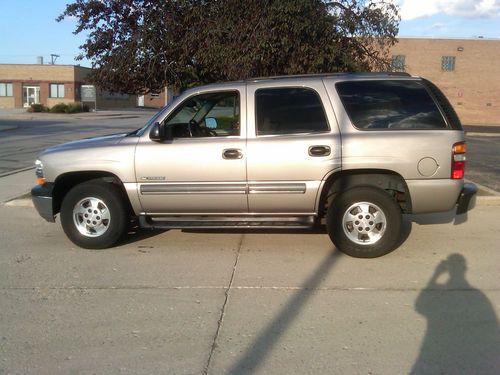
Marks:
<point>7,127</point>
<point>476,134</point>
<point>16,171</point>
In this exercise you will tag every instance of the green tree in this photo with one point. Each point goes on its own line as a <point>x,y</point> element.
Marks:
<point>138,46</point>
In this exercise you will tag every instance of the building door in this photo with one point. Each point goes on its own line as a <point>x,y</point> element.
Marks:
<point>140,101</point>
<point>31,95</point>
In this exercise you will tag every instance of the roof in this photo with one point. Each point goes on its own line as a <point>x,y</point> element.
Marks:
<point>336,75</point>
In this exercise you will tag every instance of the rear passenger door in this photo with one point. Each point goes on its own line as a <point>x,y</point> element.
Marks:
<point>293,143</point>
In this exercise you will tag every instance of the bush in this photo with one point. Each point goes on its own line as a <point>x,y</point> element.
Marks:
<point>59,108</point>
<point>38,108</point>
<point>69,108</point>
<point>76,107</point>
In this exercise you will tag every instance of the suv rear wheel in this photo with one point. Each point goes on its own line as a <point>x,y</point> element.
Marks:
<point>364,222</point>
<point>93,215</point>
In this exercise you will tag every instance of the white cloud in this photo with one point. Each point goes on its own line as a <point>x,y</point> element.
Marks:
<point>411,9</point>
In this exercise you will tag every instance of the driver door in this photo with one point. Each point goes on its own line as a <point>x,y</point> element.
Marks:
<point>202,170</point>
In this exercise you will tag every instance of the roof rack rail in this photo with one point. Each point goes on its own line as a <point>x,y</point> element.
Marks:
<point>324,75</point>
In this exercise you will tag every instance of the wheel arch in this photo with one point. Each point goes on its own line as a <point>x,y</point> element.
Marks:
<point>66,181</point>
<point>391,182</point>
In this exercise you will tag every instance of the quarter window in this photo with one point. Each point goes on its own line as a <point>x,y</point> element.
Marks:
<point>5,89</point>
<point>289,111</point>
<point>57,90</point>
<point>392,104</point>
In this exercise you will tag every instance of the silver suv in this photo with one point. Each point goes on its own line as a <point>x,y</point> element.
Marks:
<point>351,151</point>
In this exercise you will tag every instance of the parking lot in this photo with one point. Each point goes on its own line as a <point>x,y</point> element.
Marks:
<point>238,302</point>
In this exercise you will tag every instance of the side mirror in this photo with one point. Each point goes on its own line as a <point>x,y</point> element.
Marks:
<point>210,123</point>
<point>160,132</point>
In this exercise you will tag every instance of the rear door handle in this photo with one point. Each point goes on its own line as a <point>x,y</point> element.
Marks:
<point>232,153</point>
<point>319,151</point>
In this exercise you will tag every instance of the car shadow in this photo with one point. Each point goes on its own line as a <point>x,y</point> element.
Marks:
<point>135,233</point>
<point>462,334</point>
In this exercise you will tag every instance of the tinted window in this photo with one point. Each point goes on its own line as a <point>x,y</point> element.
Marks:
<point>446,107</point>
<point>390,105</point>
<point>288,111</point>
<point>207,115</point>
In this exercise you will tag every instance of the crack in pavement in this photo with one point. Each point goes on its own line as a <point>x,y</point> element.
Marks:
<point>223,309</point>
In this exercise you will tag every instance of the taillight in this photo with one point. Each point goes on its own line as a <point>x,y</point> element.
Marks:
<point>458,160</point>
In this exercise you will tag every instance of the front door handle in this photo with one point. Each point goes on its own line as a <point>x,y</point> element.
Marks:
<point>319,150</point>
<point>232,153</point>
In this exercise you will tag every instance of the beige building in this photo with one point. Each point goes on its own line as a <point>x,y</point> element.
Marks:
<point>22,85</point>
<point>467,70</point>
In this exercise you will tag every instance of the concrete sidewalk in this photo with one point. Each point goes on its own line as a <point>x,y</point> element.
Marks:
<point>16,185</point>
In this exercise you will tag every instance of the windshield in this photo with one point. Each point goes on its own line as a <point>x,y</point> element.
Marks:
<point>153,119</point>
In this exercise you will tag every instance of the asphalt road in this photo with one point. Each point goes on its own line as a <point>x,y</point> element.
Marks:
<point>248,303</point>
<point>21,139</point>
<point>483,160</point>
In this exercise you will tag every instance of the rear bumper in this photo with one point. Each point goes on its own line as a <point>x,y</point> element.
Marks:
<point>467,198</point>
<point>42,199</point>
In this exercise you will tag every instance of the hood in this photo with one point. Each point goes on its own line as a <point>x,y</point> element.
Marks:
<point>86,143</point>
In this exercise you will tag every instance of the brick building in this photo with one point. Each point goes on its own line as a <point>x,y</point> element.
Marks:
<point>157,100</point>
<point>467,70</point>
<point>24,84</point>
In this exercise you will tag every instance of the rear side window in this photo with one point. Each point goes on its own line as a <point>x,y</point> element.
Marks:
<point>376,105</point>
<point>289,110</point>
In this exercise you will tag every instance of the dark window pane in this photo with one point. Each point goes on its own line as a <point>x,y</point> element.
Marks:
<point>390,105</point>
<point>207,115</point>
<point>289,111</point>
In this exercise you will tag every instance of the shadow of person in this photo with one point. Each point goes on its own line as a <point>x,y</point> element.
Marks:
<point>462,334</point>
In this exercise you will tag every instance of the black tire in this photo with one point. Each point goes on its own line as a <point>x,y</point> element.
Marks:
<point>385,235</point>
<point>113,228</point>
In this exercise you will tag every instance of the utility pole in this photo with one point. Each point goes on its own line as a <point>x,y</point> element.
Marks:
<point>53,58</point>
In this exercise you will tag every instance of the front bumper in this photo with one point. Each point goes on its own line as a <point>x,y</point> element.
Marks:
<point>467,198</point>
<point>42,199</point>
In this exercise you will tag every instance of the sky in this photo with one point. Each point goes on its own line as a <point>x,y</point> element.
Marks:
<point>28,28</point>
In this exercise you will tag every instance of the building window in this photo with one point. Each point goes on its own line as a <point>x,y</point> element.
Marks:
<point>57,90</point>
<point>155,94</point>
<point>5,89</point>
<point>448,63</point>
<point>398,63</point>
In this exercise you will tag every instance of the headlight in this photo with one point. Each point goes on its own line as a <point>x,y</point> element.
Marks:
<point>40,179</point>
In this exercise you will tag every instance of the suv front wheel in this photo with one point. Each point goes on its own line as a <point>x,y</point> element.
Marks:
<point>93,215</point>
<point>364,222</point>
